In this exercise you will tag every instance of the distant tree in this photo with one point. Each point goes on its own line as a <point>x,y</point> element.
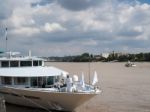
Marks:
<point>91,56</point>
<point>131,57</point>
<point>123,58</point>
<point>85,57</point>
<point>76,59</point>
<point>147,56</point>
<point>140,57</point>
<point>112,57</point>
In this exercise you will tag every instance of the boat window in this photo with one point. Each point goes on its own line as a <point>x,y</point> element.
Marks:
<point>14,64</point>
<point>35,63</point>
<point>50,80</point>
<point>40,63</point>
<point>6,80</point>
<point>39,81</point>
<point>20,80</point>
<point>33,81</point>
<point>26,63</point>
<point>5,63</point>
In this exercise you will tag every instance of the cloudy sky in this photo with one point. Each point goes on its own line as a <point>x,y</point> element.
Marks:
<point>70,27</point>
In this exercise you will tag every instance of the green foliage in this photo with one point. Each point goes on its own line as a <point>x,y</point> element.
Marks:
<point>123,58</point>
<point>147,56</point>
<point>86,57</point>
<point>140,57</point>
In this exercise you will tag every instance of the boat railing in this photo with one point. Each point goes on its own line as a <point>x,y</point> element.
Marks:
<point>2,104</point>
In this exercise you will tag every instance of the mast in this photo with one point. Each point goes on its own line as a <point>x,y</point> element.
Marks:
<point>89,71</point>
<point>6,39</point>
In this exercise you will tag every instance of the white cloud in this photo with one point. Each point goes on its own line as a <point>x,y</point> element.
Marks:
<point>28,31</point>
<point>125,13</point>
<point>145,6</point>
<point>138,29</point>
<point>19,21</point>
<point>89,42</point>
<point>53,27</point>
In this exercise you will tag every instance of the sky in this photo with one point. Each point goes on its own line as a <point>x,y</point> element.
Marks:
<point>72,27</point>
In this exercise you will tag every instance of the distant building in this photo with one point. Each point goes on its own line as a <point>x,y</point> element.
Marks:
<point>97,57</point>
<point>121,54</point>
<point>105,55</point>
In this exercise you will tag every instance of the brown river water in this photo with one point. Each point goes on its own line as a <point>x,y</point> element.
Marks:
<point>124,89</point>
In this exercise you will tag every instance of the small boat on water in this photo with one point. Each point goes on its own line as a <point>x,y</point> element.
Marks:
<point>130,64</point>
<point>24,80</point>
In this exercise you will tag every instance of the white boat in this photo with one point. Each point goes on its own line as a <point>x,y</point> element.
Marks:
<point>24,80</point>
<point>130,64</point>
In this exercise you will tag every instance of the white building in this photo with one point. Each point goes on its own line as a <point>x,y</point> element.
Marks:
<point>105,55</point>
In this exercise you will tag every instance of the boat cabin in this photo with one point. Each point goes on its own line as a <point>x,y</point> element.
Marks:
<point>27,72</point>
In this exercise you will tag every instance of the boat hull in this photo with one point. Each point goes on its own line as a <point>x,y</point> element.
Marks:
<point>45,99</point>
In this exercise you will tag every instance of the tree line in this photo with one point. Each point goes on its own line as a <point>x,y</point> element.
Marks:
<point>87,57</point>
<point>130,57</point>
